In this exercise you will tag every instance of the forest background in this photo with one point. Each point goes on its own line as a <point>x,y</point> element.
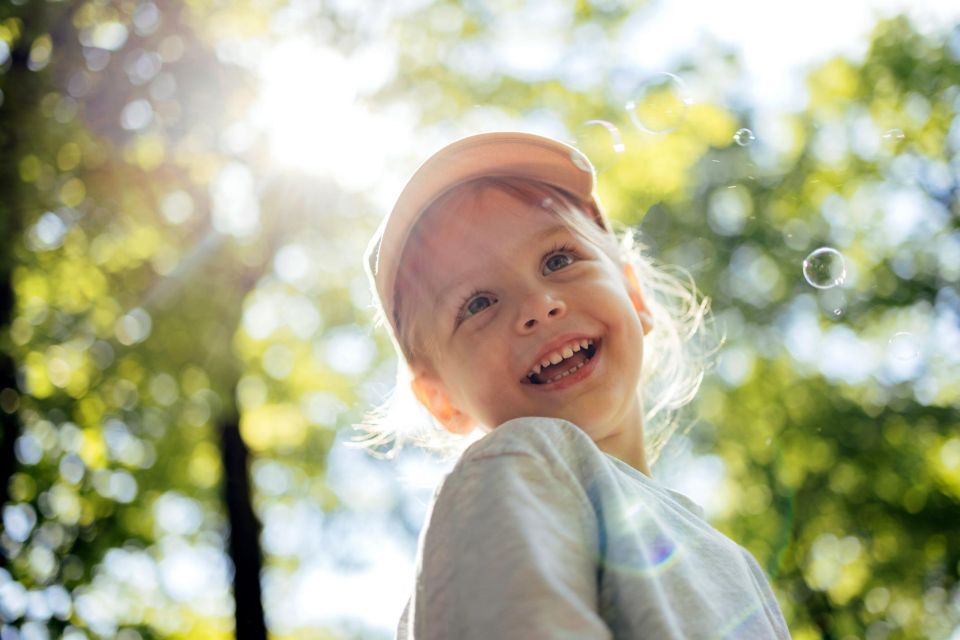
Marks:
<point>185,192</point>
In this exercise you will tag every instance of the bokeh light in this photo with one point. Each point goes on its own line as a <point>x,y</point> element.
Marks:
<point>187,193</point>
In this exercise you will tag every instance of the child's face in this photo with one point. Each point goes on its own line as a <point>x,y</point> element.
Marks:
<point>507,285</point>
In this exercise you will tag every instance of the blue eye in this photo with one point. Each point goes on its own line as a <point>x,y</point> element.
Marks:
<point>558,261</point>
<point>474,304</point>
<point>478,304</point>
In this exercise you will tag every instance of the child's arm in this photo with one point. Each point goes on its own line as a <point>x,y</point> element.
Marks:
<point>509,552</point>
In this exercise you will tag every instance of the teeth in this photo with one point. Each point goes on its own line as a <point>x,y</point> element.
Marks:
<point>559,356</point>
<point>566,373</point>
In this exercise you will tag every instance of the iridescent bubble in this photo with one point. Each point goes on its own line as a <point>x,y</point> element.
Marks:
<point>824,268</point>
<point>893,134</point>
<point>744,137</point>
<point>903,346</point>
<point>601,142</point>
<point>660,104</point>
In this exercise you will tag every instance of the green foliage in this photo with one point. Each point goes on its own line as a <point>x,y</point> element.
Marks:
<point>146,312</point>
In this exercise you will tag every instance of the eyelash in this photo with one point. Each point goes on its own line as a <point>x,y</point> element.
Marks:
<point>558,248</point>
<point>561,248</point>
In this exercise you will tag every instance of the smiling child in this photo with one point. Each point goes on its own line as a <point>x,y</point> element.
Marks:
<point>520,317</point>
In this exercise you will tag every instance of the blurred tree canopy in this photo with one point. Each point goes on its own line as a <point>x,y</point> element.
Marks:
<point>164,282</point>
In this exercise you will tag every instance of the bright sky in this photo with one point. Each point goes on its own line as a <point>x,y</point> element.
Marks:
<point>778,40</point>
<point>317,126</point>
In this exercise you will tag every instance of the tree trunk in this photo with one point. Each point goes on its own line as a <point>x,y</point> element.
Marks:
<point>22,89</point>
<point>244,532</point>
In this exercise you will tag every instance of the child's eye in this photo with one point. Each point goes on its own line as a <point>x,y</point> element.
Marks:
<point>474,304</point>
<point>558,258</point>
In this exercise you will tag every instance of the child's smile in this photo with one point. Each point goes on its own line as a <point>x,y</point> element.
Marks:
<point>565,359</point>
<point>526,317</point>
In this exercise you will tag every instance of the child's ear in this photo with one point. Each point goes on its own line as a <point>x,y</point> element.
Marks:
<point>431,393</point>
<point>636,297</point>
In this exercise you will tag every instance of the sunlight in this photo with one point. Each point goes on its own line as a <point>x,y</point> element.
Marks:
<point>307,109</point>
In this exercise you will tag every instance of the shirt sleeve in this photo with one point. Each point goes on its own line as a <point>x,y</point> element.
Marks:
<point>509,551</point>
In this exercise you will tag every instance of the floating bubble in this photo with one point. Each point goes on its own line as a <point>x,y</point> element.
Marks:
<point>824,268</point>
<point>659,104</point>
<point>601,142</point>
<point>903,346</point>
<point>744,137</point>
<point>893,134</point>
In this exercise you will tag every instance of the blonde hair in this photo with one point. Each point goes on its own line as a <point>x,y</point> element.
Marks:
<point>677,352</point>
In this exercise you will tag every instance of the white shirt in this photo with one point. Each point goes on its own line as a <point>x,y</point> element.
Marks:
<point>537,533</point>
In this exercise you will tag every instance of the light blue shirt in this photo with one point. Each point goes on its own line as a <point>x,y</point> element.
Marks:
<point>537,533</point>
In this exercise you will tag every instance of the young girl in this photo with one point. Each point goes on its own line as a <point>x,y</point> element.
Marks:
<point>518,316</point>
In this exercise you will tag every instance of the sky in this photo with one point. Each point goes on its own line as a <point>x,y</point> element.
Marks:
<point>778,41</point>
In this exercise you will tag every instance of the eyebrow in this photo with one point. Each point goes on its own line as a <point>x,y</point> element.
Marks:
<point>444,294</point>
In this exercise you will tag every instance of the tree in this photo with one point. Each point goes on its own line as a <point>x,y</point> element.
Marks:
<point>173,289</point>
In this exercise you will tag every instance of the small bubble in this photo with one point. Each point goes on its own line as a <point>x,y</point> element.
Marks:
<point>582,162</point>
<point>601,142</point>
<point>744,137</point>
<point>903,346</point>
<point>659,104</point>
<point>894,134</point>
<point>824,268</point>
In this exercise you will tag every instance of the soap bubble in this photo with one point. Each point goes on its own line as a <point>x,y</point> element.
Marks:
<point>660,103</point>
<point>824,268</point>
<point>894,134</point>
<point>601,142</point>
<point>903,346</point>
<point>744,137</point>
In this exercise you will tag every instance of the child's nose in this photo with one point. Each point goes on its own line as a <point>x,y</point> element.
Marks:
<point>539,309</point>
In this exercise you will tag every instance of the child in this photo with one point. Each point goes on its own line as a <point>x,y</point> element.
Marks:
<point>518,316</point>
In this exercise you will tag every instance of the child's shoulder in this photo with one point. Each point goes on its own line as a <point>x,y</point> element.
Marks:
<point>526,466</point>
<point>550,440</point>
<point>533,450</point>
<point>538,448</point>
